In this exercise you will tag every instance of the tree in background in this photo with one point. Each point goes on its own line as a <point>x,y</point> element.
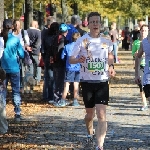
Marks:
<point>112,9</point>
<point>28,16</point>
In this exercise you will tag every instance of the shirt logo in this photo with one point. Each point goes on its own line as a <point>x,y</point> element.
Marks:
<point>104,45</point>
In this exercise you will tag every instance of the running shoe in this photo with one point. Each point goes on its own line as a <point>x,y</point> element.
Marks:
<point>75,103</point>
<point>143,108</point>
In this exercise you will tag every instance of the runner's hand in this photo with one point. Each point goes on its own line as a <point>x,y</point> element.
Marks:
<point>81,59</point>
<point>137,80</point>
<point>111,72</point>
<point>28,48</point>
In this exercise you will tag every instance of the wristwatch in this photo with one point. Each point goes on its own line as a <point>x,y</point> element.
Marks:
<point>111,65</point>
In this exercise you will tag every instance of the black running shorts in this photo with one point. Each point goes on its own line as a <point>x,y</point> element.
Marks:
<point>146,90</point>
<point>95,93</point>
<point>141,88</point>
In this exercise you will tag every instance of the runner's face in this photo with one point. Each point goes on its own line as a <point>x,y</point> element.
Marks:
<point>144,32</point>
<point>94,24</point>
<point>17,25</point>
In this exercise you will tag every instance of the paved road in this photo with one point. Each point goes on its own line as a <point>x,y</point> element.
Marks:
<point>64,128</point>
<point>127,127</point>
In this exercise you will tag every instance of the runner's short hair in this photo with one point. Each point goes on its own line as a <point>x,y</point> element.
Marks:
<point>93,14</point>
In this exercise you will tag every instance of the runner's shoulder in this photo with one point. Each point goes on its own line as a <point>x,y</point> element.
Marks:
<point>106,37</point>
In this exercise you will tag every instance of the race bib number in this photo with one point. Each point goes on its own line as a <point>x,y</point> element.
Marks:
<point>95,66</point>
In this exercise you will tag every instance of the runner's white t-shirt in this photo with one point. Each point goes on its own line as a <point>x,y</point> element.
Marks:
<point>95,67</point>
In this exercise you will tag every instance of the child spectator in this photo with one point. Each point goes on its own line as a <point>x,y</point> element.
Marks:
<point>72,71</point>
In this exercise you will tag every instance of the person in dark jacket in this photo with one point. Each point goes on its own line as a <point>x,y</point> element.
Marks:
<point>13,51</point>
<point>48,85</point>
<point>35,43</point>
<point>59,64</point>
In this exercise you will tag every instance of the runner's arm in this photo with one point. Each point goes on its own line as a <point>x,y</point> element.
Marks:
<point>110,58</point>
<point>111,66</point>
<point>74,60</point>
<point>75,57</point>
<point>138,59</point>
<point>134,48</point>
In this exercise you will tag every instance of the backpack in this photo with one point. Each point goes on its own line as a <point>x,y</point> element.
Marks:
<point>27,60</point>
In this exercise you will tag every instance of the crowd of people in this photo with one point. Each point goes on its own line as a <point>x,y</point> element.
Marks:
<point>70,56</point>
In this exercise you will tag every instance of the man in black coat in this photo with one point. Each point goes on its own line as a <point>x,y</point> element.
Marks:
<point>35,43</point>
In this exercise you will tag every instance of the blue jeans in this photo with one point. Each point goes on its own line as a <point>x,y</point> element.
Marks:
<point>34,67</point>
<point>48,86</point>
<point>115,51</point>
<point>14,79</point>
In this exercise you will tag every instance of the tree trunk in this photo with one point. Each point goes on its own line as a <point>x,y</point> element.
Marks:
<point>64,11</point>
<point>28,16</point>
<point>1,12</point>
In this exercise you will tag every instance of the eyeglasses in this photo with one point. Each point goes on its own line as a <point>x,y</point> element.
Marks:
<point>94,22</point>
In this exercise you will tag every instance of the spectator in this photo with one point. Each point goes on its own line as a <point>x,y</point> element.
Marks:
<point>47,43</point>
<point>48,72</point>
<point>80,30</point>
<point>126,38</point>
<point>49,21</point>
<point>35,43</point>
<point>12,52</point>
<point>135,33</point>
<point>58,64</point>
<point>74,22</point>
<point>85,22</point>
<point>22,35</point>
<point>114,37</point>
<point>72,71</point>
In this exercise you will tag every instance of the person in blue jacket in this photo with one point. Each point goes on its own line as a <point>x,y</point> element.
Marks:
<point>75,20</point>
<point>10,63</point>
<point>72,74</point>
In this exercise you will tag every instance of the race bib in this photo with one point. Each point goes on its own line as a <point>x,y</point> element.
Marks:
<point>95,66</point>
